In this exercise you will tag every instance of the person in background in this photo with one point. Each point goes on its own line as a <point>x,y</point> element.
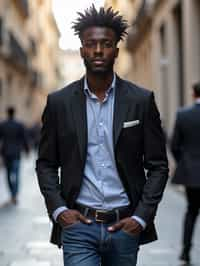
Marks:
<point>185,146</point>
<point>34,135</point>
<point>102,132</point>
<point>13,139</point>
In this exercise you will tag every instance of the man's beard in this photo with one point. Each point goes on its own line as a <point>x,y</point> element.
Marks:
<point>99,70</point>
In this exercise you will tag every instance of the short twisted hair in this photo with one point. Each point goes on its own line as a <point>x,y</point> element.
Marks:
<point>102,18</point>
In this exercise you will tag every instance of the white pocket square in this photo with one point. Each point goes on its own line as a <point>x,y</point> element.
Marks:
<point>131,123</point>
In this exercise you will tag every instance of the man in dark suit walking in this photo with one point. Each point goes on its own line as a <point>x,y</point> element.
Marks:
<point>102,132</point>
<point>185,147</point>
<point>13,139</point>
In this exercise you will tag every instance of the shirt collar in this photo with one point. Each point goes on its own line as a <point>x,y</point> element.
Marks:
<point>110,89</point>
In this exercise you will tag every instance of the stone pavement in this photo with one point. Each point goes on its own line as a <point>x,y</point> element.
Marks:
<point>25,229</point>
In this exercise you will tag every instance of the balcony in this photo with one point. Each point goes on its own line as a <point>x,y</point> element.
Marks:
<point>33,47</point>
<point>17,54</point>
<point>36,79</point>
<point>23,7</point>
<point>141,24</point>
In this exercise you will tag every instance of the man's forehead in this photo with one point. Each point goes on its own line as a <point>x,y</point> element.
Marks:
<point>97,32</point>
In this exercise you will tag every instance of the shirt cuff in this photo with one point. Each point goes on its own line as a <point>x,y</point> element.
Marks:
<point>140,221</point>
<point>58,211</point>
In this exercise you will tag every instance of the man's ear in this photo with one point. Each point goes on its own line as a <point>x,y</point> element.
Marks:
<point>81,51</point>
<point>116,52</point>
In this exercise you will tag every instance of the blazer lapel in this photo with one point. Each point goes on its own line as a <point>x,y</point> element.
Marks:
<point>78,107</point>
<point>121,107</point>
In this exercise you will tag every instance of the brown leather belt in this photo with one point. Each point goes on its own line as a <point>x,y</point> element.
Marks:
<point>103,216</point>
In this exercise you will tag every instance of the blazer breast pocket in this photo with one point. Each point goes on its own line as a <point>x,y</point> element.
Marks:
<point>130,124</point>
<point>131,131</point>
<point>132,128</point>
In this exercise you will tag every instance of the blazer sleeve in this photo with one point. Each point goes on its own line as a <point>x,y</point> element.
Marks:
<point>176,140</point>
<point>47,164</point>
<point>155,162</point>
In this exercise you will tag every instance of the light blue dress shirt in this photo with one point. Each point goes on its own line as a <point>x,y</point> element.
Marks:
<point>101,186</point>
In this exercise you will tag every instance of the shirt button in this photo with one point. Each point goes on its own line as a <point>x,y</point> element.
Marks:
<point>101,124</point>
<point>102,164</point>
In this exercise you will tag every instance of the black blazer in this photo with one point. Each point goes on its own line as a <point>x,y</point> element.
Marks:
<point>64,144</point>
<point>185,146</point>
<point>13,137</point>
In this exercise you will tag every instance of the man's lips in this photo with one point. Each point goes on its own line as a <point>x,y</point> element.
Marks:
<point>98,61</point>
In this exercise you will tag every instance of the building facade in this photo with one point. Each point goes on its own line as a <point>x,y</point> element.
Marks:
<point>128,9</point>
<point>29,57</point>
<point>164,49</point>
<point>73,67</point>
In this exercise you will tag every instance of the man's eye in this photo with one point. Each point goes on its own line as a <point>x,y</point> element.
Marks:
<point>89,44</point>
<point>108,44</point>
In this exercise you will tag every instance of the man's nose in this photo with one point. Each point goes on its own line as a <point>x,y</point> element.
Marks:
<point>98,48</point>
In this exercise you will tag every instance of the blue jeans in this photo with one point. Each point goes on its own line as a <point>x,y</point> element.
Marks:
<point>12,169</point>
<point>93,245</point>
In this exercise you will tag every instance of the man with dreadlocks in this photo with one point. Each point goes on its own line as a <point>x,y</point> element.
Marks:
<point>104,133</point>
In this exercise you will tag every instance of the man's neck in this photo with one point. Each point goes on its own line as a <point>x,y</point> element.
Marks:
<point>99,83</point>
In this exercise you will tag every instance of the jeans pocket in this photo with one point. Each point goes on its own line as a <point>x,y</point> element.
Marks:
<point>70,226</point>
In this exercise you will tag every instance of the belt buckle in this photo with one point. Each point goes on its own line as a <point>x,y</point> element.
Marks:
<point>97,219</point>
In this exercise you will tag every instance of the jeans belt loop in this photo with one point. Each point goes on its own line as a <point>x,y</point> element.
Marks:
<point>117,215</point>
<point>86,211</point>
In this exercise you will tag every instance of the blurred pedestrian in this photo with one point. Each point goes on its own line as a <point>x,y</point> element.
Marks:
<point>13,139</point>
<point>34,135</point>
<point>185,147</point>
<point>102,131</point>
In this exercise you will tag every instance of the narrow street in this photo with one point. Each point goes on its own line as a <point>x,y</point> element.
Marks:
<point>25,228</point>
